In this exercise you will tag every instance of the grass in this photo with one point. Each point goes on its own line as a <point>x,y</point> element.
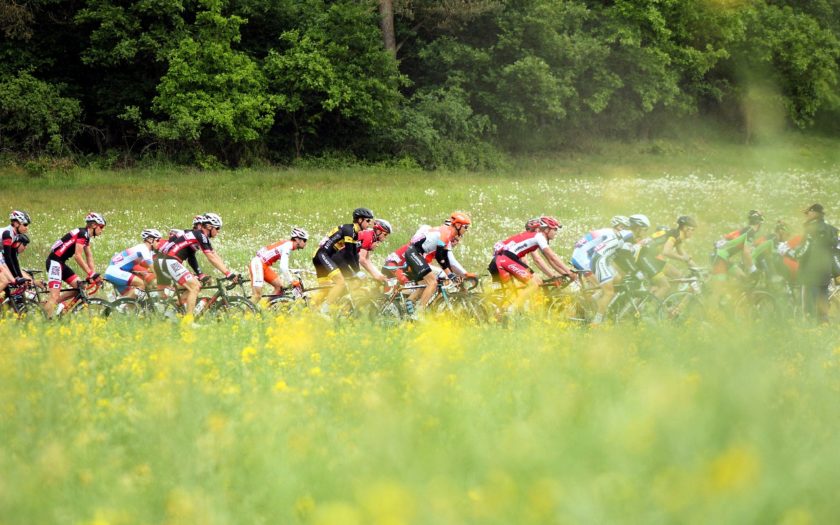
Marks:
<point>302,421</point>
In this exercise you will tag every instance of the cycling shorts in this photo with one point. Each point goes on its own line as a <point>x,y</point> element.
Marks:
<point>261,273</point>
<point>604,272</point>
<point>325,266</point>
<point>418,268</point>
<point>506,264</point>
<point>650,266</point>
<point>58,271</point>
<point>173,271</point>
<point>120,278</point>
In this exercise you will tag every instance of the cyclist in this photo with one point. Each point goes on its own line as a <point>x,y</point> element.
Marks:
<point>176,250</point>
<point>369,240</point>
<point>737,243</point>
<point>331,265</point>
<point>509,254</point>
<point>437,241</point>
<point>585,246</point>
<point>62,250</point>
<point>10,270</point>
<point>129,269</point>
<point>663,245</point>
<point>261,270</point>
<point>615,245</point>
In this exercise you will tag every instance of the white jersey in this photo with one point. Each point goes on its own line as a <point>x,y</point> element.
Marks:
<point>432,238</point>
<point>613,242</point>
<point>585,247</point>
<point>279,251</point>
<point>126,259</point>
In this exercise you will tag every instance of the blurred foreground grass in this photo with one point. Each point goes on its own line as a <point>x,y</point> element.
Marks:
<point>301,421</point>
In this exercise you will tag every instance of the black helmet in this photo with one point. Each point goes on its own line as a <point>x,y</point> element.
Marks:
<point>362,213</point>
<point>685,220</point>
<point>755,217</point>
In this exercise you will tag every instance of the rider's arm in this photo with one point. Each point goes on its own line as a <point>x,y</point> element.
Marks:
<point>555,261</point>
<point>283,266</point>
<point>456,267</point>
<point>364,259</point>
<point>442,257</point>
<point>542,264</point>
<point>672,251</point>
<point>82,260</point>
<point>217,262</point>
<point>10,255</point>
<point>747,259</point>
<point>192,260</point>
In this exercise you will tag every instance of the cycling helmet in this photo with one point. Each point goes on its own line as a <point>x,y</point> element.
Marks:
<point>640,221</point>
<point>150,233</point>
<point>459,218</point>
<point>620,220</point>
<point>176,232</point>
<point>550,222</point>
<point>362,213</point>
<point>23,238</point>
<point>532,224</point>
<point>685,220</point>
<point>95,218</point>
<point>381,225</point>
<point>755,217</point>
<point>198,219</point>
<point>213,220</point>
<point>299,233</point>
<point>20,216</point>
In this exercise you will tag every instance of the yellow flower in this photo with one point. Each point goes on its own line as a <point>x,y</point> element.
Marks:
<point>248,353</point>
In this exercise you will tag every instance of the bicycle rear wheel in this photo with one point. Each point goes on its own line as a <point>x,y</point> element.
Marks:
<point>572,308</point>
<point>679,307</point>
<point>232,306</point>
<point>93,307</point>
<point>28,309</point>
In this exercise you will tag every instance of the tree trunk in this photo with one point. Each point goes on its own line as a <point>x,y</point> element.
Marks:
<point>386,22</point>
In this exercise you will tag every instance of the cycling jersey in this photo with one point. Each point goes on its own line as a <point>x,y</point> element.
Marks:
<point>342,239</point>
<point>9,253</point>
<point>522,244</point>
<point>734,242</point>
<point>585,247</point>
<point>606,250</point>
<point>65,247</point>
<point>180,247</point>
<point>650,259</point>
<point>126,259</point>
<point>260,267</point>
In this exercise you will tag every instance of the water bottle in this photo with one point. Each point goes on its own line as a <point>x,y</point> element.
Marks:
<point>199,307</point>
<point>409,307</point>
<point>59,309</point>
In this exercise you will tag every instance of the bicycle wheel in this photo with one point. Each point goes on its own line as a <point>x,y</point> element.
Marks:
<point>29,309</point>
<point>643,309</point>
<point>232,306</point>
<point>679,307</point>
<point>93,307</point>
<point>572,308</point>
<point>128,306</point>
<point>758,305</point>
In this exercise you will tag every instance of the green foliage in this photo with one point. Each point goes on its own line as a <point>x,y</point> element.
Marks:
<point>212,96</point>
<point>333,69</point>
<point>34,117</point>
<point>440,129</point>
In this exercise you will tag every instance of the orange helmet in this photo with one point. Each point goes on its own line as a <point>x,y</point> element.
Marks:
<point>459,218</point>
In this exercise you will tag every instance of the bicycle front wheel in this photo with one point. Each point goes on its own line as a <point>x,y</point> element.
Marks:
<point>232,306</point>
<point>93,307</point>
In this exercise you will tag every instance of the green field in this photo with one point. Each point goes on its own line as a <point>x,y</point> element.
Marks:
<point>299,420</point>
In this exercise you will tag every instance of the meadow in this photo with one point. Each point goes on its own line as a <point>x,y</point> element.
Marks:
<point>300,420</point>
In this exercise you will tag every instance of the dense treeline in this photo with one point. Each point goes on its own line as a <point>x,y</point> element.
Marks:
<point>436,82</point>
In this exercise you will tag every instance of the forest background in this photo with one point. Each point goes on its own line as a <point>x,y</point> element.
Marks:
<point>446,83</point>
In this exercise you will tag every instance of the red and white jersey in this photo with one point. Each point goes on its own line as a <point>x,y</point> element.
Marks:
<point>366,240</point>
<point>65,247</point>
<point>274,252</point>
<point>522,244</point>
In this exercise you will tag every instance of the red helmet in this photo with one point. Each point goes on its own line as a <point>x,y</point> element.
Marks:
<point>459,218</point>
<point>549,222</point>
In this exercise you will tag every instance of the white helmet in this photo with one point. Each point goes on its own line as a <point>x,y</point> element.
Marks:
<point>213,220</point>
<point>639,220</point>
<point>381,225</point>
<point>20,216</point>
<point>95,217</point>
<point>620,220</point>
<point>150,233</point>
<point>198,219</point>
<point>299,233</point>
<point>176,232</point>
